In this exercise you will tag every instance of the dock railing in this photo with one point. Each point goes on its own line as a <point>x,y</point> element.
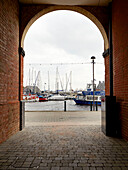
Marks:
<point>96,106</point>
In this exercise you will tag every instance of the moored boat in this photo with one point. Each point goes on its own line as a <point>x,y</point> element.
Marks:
<point>30,97</point>
<point>43,98</point>
<point>88,99</point>
<point>57,98</point>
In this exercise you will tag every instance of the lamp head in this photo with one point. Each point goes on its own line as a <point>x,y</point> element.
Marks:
<point>93,57</point>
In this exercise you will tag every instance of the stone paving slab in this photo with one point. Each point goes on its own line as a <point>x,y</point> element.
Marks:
<point>63,147</point>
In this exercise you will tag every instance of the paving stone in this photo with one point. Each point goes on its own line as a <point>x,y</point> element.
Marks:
<point>96,165</point>
<point>107,168</point>
<point>25,166</point>
<point>92,168</point>
<point>44,168</point>
<point>65,164</point>
<point>66,168</point>
<point>83,164</point>
<point>99,168</point>
<point>73,164</point>
<point>55,168</point>
<point>85,168</point>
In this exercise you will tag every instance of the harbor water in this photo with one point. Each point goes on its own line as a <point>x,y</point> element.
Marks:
<point>56,106</point>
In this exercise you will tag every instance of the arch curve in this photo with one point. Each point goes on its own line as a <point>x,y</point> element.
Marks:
<point>71,8</point>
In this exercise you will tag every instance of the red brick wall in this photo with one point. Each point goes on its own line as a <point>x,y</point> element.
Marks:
<point>120,59</point>
<point>9,68</point>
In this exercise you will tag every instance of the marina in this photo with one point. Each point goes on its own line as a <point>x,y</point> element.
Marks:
<point>64,101</point>
<point>63,97</point>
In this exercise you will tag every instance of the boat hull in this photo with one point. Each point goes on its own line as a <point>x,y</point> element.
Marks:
<point>43,99</point>
<point>85,102</point>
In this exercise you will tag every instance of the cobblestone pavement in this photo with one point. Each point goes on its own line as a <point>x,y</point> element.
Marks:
<point>63,147</point>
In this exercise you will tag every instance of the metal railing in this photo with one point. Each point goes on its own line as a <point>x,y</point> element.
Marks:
<point>96,106</point>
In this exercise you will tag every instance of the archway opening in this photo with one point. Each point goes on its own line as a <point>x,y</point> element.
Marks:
<point>62,43</point>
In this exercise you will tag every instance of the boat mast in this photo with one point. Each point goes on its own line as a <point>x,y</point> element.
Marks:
<point>32,77</point>
<point>48,83</point>
<point>70,81</point>
<point>66,83</point>
<point>61,82</point>
<point>34,84</point>
<point>57,83</point>
<point>29,77</point>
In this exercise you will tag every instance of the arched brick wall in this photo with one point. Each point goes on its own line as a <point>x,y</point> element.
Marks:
<point>98,15</point>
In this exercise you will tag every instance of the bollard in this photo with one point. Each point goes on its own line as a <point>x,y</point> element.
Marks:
<point>64,105</point>
<point>90,106</point>
<point>22,114</point>
<point>96,106</point>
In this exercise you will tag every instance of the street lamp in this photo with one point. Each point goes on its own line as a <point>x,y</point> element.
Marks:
<point>93,58</point>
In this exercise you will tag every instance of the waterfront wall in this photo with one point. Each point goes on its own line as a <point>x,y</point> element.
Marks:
<point>120,60</point>
<point>9,68</point>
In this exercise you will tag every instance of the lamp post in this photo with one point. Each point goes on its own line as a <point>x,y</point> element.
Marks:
<point>93,58</point>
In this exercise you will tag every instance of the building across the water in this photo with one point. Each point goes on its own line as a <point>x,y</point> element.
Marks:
<point>31,89</point>
<point>101,86</point>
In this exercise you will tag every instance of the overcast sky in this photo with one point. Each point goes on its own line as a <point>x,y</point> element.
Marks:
<point>63,37</point>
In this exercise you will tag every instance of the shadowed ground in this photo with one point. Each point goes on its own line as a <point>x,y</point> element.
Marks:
<point>63,141</point>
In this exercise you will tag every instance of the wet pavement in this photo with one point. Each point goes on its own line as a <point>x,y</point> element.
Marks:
<point>65,141</point>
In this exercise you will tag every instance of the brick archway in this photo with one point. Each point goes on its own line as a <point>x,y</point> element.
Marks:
<point>15,20</point>
<point>72,8</point>
<point>35,12</point>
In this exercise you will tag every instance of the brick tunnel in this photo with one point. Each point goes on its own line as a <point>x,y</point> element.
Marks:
<point>15,19</point>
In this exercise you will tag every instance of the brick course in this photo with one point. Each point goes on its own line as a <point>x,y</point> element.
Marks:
<point>9,68</point>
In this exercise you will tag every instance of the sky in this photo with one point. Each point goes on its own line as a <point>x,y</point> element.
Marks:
<point>63,40</point>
